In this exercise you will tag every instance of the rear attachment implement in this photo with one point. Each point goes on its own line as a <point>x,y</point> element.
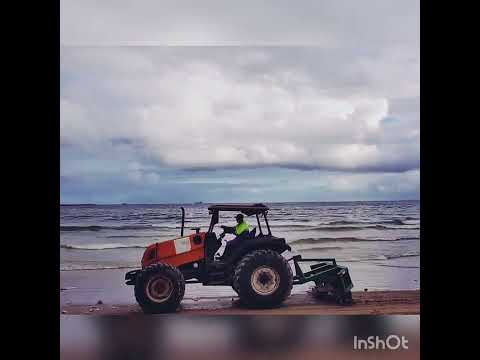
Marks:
<point>331,280</point>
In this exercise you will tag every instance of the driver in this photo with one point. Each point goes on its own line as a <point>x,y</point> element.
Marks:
<point>240,230</point>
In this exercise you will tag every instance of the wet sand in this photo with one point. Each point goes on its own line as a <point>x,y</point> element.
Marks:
<point>401,302</point>
<point>81,291</point>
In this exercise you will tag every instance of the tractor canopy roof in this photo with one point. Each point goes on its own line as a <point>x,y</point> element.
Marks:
<point>247,209</point>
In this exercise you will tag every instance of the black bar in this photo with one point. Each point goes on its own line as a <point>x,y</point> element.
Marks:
<point>320,266</point>
<point>259,226</point>
<point>311,276</point>
<point>266,222</point>
<point>213,220</point>
<point>317,272</point>
<point>298,270</point>
<point>183,221</point>
<point>319,260</point>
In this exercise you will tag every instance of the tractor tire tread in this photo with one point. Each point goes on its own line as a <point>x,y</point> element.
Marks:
<point>178,292</point>
<point>244,268</point>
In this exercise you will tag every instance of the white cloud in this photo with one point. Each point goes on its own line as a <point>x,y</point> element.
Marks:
<point>349,105</point>
<point>199,111</point>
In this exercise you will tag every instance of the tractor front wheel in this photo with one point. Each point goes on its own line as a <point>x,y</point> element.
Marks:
<point>263,279</point>
<point>159,288</point>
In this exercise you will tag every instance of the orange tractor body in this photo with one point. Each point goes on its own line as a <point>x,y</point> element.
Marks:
<point>176,252</point>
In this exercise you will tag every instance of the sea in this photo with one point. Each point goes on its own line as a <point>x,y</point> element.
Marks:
<point>379,241</point>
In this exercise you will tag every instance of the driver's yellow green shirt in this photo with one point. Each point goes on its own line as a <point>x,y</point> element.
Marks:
<point>240,228</point>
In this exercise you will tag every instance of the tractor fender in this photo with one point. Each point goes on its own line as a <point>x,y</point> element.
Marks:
<point>274,244</point>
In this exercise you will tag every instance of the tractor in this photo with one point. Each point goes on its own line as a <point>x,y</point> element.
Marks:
<point>255,268</point>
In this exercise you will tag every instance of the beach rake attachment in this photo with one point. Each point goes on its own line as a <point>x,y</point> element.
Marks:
<point>331,280</point>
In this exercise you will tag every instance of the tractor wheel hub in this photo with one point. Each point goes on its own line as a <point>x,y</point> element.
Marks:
<point>159,289</point>
<point>265,280</point>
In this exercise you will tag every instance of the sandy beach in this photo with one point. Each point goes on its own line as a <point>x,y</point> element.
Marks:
<point>103,292</point>
<point>400,302</point>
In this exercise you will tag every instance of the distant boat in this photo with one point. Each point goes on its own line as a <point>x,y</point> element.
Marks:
<point>198,203</point>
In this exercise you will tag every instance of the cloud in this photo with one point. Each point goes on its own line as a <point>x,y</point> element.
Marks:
<point>119,181</point>
<point>319,101</point>
<point>197,110</point>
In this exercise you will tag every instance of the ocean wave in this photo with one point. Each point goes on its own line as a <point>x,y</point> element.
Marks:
<point>381,257</point>
<point>344,222</point>
<point>384,222</point>
<point>351,228</point>
<point>272,218</point>
<point>323,248</point>
<point>102,246</point>
<point>308,241</point>
<point>399,266</point>
<point>94,267</point>
<point>411,254</point>
<point>102,227</point>
<point>293,226</point>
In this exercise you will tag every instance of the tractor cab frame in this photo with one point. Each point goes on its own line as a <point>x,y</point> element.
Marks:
<point>219,272</point>
<point>249,210</point>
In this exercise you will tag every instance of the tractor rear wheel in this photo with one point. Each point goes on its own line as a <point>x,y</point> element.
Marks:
<point>159,288</point>
<point>234,288</point>
<point>263,279</point>
<point>345,299</point>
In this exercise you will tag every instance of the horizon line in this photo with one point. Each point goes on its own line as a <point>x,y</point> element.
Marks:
<point>241,202</point>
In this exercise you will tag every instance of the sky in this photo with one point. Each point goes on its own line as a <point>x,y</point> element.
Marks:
<point>187,101</point>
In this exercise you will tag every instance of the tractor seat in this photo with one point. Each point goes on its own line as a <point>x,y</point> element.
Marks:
<point>231,246</point>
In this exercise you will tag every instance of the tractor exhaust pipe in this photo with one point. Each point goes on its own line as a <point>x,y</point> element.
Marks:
<point>183,221</point>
